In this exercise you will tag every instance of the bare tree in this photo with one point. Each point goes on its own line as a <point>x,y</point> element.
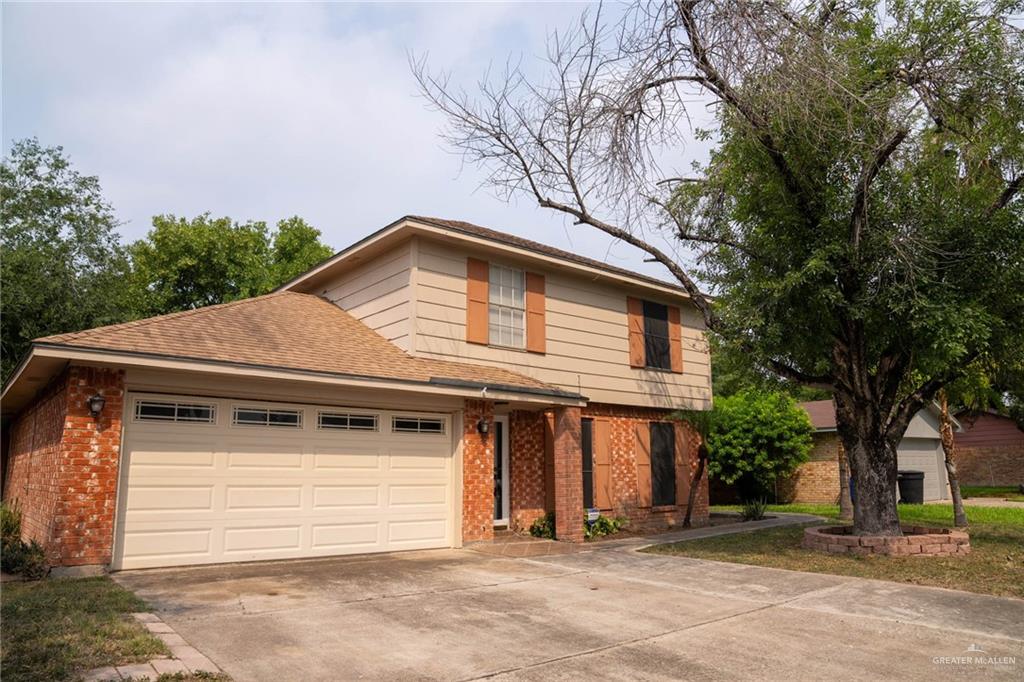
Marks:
<point>866,169</point>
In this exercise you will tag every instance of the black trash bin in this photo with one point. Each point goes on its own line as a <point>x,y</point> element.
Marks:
<point>911,485</point>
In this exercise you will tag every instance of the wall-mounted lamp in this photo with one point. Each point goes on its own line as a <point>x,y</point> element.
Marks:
<point>96,403</point>
<point>483,427</point>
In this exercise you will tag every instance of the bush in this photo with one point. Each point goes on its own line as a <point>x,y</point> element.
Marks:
<point>753,510</point>
<point>602,526</point>
<point>544,527</point>
<point>756,437</point>
<point>26,559</point>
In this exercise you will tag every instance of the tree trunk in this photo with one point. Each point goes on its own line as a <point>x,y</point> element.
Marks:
<point>845,503</point>
<point>871,454</point>
<point>949,450</point>
<point>702,456</point>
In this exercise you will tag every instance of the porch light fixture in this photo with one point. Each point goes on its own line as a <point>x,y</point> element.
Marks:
<point>96,403</point>
<point>483,427</point>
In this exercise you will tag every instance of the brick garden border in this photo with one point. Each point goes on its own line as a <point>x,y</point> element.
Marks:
<point>915,541</point>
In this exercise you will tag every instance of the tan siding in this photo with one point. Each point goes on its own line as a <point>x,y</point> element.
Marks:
<point>378,294</point>
<point>587,342</point>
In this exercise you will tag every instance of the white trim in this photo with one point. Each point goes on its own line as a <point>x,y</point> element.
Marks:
<point>505,483</point>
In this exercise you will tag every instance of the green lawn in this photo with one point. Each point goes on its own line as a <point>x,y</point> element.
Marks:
<point>1001,491</point>
<point>995,565</point>
<point>56,629</point>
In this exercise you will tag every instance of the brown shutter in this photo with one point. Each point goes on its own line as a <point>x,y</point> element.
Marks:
<point>635,316</point>
<point>643,464</point>
<point>675,339</point>
<point>602,450</point>
<point>536,305</point>
<point>682,464</point>
<point>549,462</point>
<point>477,283</point>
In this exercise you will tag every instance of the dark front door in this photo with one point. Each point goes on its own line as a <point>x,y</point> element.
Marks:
<point>499,470</point>
<point>588,463</point>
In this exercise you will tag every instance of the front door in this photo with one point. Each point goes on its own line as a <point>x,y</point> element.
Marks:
<point>501,471</point>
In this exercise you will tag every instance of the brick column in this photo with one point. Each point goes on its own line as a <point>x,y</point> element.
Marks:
<point>477,472</point>
<point>568,475</point>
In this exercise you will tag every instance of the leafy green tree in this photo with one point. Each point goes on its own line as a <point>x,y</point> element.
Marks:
<point>753,438</point>
<point>859,218</point>
<point>733,371</point>
<point>184,264</point>
<point>62,267</point>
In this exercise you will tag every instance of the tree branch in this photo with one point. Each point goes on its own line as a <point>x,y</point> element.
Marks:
<point>859,216</point>
<point>1012,188</point>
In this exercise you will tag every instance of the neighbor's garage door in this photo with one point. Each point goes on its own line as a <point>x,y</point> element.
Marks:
<point>925,454</point>
<point>210,481</point>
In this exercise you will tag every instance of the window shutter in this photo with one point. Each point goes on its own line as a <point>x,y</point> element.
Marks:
<point>549,462</point>
<point>635,318</point>
<point>675,339</point>
<point>602,443</point>
<point>682,464</point>
<point>536,306</point>
<point>643,464</point>
<point>477,283</point>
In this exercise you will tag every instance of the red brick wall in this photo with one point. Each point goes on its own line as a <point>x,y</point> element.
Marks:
<point>477,473</point>
<point>63,467</point>
<point>527,468</point>
<point>990,465</point>
<point>568,475</point>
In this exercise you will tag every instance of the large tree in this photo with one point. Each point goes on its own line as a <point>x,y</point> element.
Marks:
<point>184,264</point>
<point>62,267</point>
<point>858,217</point>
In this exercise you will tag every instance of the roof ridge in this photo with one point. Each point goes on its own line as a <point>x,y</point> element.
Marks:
<point>132,324</point>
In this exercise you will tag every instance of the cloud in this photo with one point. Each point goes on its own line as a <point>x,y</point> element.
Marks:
<point>264,111</point>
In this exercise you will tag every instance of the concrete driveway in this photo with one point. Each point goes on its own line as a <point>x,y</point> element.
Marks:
<point>608,614</point>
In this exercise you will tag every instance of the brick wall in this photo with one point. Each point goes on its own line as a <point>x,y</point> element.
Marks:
<point>477,473</point>
<point>568,474</point>
<point>528,477</point>
<point>990,465</point>
<point>816,481</point>
<point>63,467</point>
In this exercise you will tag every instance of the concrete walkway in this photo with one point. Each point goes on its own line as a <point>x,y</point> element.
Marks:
<point>611,614</point>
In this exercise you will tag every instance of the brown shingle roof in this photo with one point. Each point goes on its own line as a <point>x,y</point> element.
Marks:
<point>513,240</point>
<point>286,330</point>
<point>822,413</point>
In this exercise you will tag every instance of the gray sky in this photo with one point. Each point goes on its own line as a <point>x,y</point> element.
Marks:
<point>263,111</point>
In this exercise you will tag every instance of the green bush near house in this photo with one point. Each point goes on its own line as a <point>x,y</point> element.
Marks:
<point>602,526</point>
<point>23,558</point>
<point>544,527</point>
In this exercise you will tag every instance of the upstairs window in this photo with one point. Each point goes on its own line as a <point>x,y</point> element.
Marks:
<point>657,348</point>
<point>507,307</point>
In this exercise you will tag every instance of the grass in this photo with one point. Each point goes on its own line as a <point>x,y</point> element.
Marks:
<point>1008,492</point>
<point>995,565</point>
<point>55,629</point>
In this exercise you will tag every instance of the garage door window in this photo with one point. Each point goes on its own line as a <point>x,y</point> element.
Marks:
<point>417,425</point>
<point>162,411</point>
<point>258,416</point>
<point>347,421</point>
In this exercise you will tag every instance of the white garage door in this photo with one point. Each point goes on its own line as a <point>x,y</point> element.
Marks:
<point>210,481</point>
<point>925,454</point>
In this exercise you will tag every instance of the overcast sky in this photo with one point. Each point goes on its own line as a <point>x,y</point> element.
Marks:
<point>263,111</point>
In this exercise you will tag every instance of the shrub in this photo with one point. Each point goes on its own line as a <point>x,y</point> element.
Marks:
<point>27,559</point>
<point>756,437</point>
<point>544,527</point>
<point>753,509</point>
<point>602,526</point>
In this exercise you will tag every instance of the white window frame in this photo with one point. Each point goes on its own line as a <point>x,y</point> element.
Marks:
<point>140,419</point>
<point>347,413</point>
<point>419,419</point>
<point>506,298</point>
<point>268,425</point>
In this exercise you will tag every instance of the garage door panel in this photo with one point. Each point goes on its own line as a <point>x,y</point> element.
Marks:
<point>217,492</point>
<point>263,497</point>
<point>346,536</point>
<point>333,497</point>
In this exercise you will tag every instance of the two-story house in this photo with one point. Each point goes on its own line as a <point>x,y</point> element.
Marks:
<point>426,385</point>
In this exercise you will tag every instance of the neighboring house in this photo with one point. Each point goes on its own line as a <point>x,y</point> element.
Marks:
<point>989,450</point>
<point>422,387</point>
<point>817,480</point>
